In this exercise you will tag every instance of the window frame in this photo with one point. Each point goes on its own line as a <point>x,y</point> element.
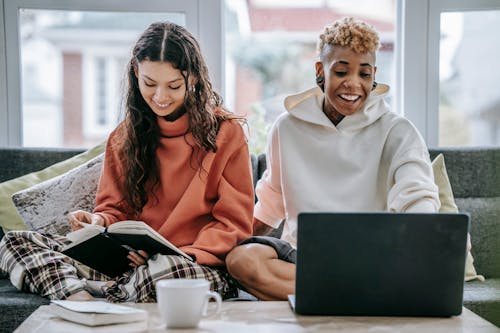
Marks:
<point>204,18</point>
<point>417,58</point>
<point>90,121</point>
<point>4,119</point>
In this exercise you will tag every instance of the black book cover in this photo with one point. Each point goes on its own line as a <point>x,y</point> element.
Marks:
<point>107,252</point>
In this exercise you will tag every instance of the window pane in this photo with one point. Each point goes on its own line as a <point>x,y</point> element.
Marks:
<point>271,51</point>
<point>469,110</point>
<point>73,63</point>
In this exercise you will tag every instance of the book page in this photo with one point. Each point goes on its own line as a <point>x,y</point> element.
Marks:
<point>96,307</point>
<point>131,227</point>
<point>96,313</point>
<point>123,226</point>
<point>138,227</point>
<point>88,231</point>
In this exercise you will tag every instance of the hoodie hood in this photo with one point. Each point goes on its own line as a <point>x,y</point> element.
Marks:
<point>308,106</point>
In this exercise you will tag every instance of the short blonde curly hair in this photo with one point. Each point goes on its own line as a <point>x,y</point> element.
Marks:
<point>355,34</point>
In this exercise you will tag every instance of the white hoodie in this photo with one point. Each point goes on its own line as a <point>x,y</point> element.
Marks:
<point>373,160</point>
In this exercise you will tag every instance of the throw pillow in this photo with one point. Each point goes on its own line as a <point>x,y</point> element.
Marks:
<point>9,218</point>
<point>45,206</point>
<point>448,206</point>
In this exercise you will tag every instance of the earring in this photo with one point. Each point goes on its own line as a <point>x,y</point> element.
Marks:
<point>192,88</point>
<point>320,80</point>
<point>374,85</point>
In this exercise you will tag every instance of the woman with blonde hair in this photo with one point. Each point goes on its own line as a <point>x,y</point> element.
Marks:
<point>337,148</point>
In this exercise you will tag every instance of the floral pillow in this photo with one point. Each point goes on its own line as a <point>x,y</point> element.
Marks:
<point>44,207</point>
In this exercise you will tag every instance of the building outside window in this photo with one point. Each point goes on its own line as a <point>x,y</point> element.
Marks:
<point>63,63</point>
<point>76,60</point>
<point>271,51</point>
<point>72,64</point>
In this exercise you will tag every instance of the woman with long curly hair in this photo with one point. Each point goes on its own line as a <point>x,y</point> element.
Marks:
<point>179,161</point>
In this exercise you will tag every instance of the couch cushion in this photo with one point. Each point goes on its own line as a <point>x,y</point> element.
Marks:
<point>485,233</point>
<point>472,171</point>
<point>17,162</point>
<point>443,183</point>
<point>448,206</point>
<point>475,181</point>
<point>483,298</point>
<point>9,218</point>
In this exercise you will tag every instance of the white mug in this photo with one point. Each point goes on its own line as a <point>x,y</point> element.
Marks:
<point>183,302</point>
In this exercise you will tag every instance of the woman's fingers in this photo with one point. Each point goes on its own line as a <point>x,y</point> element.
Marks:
<point>80,216</point>
<point>133,259</point>
<point>97,219</point>
<point>143,254</point>
<point>75,220</point>
<point>75,225</point>
<point>137,258</point>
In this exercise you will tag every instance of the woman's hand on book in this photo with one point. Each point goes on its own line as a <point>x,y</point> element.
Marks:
<point>137,258</point>
<point>80,216</point>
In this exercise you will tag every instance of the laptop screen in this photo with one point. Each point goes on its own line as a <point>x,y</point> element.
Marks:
<point>381,263</point>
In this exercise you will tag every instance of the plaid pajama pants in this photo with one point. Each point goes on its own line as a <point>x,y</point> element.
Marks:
<point>35,263</point>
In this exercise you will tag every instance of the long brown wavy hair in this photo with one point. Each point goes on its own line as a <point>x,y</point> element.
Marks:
<point>140,133</point>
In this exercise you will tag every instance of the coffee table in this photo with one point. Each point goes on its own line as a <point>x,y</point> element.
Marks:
<point>269,317</point>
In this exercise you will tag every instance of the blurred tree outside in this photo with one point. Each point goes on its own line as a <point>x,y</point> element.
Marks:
<point>284,67</point>
<point>453,127</point>
<point>258,129</point>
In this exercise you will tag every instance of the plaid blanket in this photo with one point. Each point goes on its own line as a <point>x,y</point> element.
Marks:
<point>35,264</point>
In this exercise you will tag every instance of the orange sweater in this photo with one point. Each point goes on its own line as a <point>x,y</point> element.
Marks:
<point>204,213</point>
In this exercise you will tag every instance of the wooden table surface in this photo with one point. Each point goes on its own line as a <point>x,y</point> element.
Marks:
<point>272,317</point>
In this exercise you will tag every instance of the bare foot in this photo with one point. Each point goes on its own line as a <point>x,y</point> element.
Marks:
<point>82,295</point>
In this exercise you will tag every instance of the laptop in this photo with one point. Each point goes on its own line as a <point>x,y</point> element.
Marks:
<point>380,264</point>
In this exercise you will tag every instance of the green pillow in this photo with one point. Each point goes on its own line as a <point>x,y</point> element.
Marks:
<point>9,217</point>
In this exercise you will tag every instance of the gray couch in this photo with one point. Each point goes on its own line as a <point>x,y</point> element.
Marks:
<point>475,182</point>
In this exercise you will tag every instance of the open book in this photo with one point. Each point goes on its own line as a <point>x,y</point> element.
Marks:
<point>94,313</point>
<point>106,249</point>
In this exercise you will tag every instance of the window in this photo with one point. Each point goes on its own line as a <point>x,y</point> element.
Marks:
<point>271,51</point>
<point>100,92</point>
<point>64,63</point>
<point>469,98</point>
<point>447,70</point>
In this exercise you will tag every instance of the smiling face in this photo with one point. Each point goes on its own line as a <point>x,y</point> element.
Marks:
<point>161,85</point>
<point>348,79</point>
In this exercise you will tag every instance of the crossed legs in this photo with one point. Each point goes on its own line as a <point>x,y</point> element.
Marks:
<point>257,267</point>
